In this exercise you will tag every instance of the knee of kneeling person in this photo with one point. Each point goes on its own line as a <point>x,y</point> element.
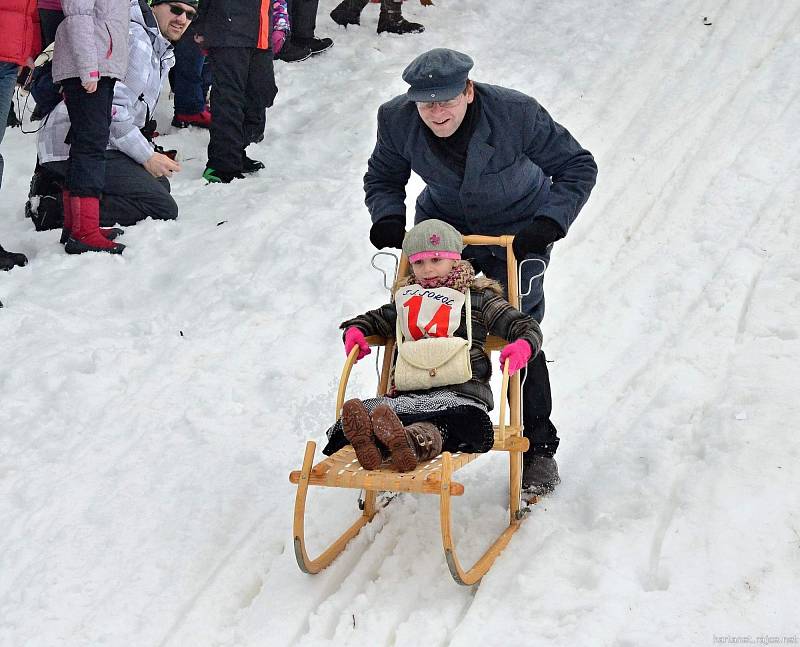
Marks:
<point>168,208</point>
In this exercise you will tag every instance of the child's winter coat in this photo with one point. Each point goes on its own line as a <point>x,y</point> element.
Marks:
<point>491,313</point>
<point>92,40</point>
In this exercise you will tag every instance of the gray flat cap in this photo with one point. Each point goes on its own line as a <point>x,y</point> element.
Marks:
<point>438,75</point>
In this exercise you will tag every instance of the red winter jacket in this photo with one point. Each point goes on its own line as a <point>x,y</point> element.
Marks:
<point>19,25</point>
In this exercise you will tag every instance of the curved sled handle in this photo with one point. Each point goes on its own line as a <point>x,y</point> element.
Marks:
<point>532,279</point>
<point>386,279</point>
<point>348,366</point>
<point>503,402</point>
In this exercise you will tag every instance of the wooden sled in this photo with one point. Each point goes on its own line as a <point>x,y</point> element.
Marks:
<point>431,477</point>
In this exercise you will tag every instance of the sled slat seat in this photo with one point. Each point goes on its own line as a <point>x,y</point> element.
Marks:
<point>343,470</point>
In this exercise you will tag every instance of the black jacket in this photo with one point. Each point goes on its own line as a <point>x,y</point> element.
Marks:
<point>233,23</point>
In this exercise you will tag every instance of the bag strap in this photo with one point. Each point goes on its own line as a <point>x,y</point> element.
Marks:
<point>399,331</point>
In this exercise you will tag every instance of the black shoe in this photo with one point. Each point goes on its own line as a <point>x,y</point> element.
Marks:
<point>74,246</point>
<point>539,474</point>
<point>215,177</point>
<point>394,24</point>
<point>9,260</point>
<point>291,53</point>
<point>348,12</point>
<point>316,45</point>
<point>251,165</point>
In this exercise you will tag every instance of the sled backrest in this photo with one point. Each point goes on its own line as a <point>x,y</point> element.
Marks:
<point>492,343</point>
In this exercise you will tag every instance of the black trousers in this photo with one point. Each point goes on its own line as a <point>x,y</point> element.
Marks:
<point>90,116</point>
<point>131,193</point>
<point>303,17</point>
<point>244,87</point>
<point>537,398</point>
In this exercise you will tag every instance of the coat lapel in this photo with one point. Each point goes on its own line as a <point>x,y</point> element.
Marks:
<point>479,152</point>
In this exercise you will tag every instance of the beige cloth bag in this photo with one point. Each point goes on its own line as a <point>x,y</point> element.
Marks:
<point>432,362</point>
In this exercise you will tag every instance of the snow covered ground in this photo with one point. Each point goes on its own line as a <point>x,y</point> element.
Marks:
<point>152,405</point>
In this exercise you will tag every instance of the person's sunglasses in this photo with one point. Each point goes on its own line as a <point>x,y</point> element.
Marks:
<point>179,11</point>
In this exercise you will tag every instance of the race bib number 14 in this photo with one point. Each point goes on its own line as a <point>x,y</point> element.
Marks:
<point>428,312</point>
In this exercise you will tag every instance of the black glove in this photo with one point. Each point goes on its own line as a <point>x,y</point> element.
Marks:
<point>388,232</point>
<point>535,238</point>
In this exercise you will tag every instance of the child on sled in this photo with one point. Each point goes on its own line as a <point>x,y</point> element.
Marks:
<point>415,420</point>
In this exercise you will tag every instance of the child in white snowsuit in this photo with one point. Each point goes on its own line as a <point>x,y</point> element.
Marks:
<point>414,425</point>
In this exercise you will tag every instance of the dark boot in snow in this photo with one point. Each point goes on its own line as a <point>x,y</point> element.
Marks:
<point>250,165</point>
<point>539,474</point>
<point>357,428</point>
<point>8,260</point>
<point>391,19</point>
<point>348,12</point>
<point>407,445</point>
<point>316,45</point>
<point>293,53</point>
<point>213,176</point>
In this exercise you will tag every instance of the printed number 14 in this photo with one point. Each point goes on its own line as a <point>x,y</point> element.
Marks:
<point>436,327</point>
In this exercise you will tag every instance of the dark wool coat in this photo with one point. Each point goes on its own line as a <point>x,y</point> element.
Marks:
<point>520,164</point>
<point>491,313</point>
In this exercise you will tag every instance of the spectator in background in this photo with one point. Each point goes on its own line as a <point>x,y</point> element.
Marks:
<point>390,19</point>
<point>136,182</point>
<point>50,17</point>
<point>241,38</point>
<point>90,55</point>
<point>19,44</point>
<point>303,43</point>
<point>190,82</point>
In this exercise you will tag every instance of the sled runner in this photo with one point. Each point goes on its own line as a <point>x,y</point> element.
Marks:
<point>434,476</point>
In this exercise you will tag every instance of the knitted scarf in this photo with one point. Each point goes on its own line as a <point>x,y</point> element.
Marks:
<point>459,278</point>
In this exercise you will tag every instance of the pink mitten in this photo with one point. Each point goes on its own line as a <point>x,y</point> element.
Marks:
<point>354,337</point>
<point>276,40</point>
<point>517,354</point>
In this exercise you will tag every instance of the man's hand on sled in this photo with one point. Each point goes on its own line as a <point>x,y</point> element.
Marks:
<point>354,337</point>
<point>517,353</point>
<point>388,232</point>
<point>536,237</point>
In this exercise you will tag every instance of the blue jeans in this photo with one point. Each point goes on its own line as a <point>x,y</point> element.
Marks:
<point>8,79</point>
<point>191,77</point>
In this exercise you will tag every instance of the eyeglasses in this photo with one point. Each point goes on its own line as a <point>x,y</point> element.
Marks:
<point>450,103</point>
<point>178,11</point>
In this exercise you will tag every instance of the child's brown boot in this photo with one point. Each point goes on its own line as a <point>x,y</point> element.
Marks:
<point>408,445</point>
<point>357,428</point>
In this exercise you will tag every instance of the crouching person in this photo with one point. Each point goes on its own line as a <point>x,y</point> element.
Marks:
<point>427,412</point>
<point>136,184</point>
